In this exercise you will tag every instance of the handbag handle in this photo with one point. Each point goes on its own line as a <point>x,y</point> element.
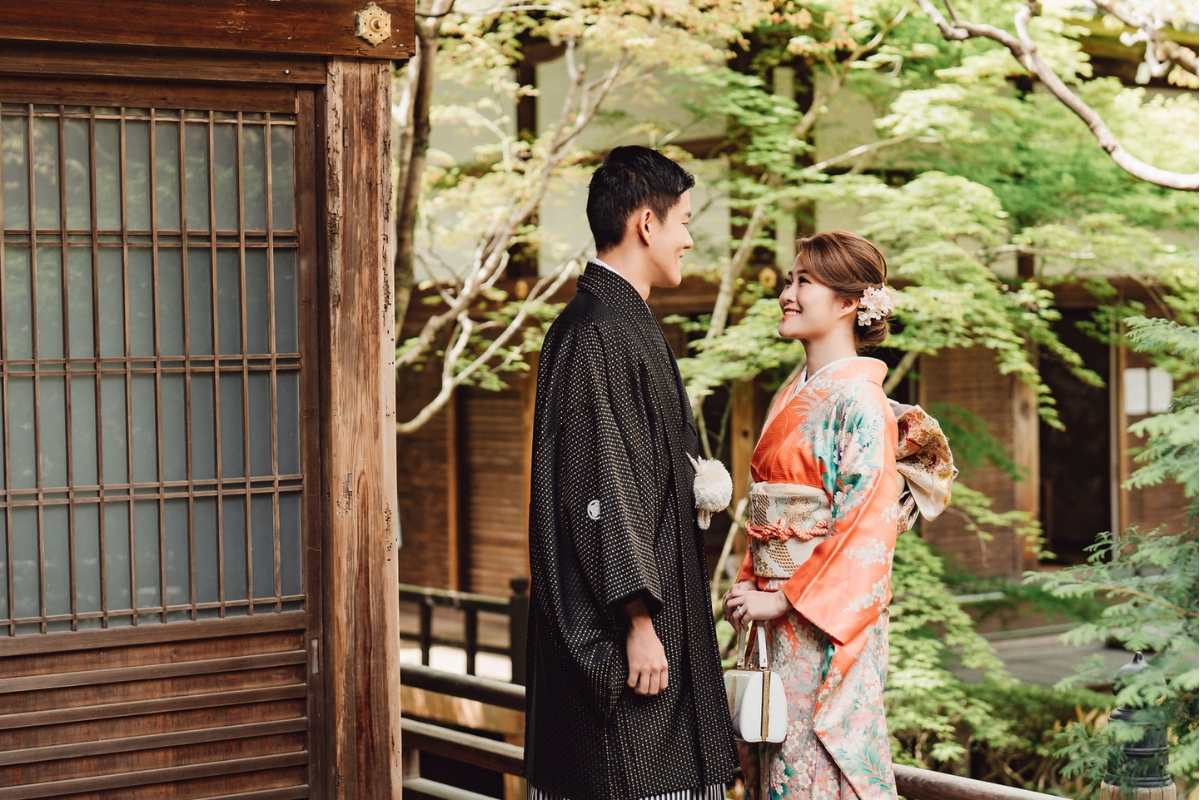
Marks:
<point>744,646</point>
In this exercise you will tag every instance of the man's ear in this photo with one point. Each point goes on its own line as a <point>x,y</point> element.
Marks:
<point>641,220</point>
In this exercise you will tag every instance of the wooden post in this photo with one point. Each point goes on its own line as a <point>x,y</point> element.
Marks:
<point>361,579</point>
<point>1026,448</point>
<point>743,429</point>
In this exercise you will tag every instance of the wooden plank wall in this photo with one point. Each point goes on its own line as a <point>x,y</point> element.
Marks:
<point>494,456</point>
<point>360,576</point>
<point>183,710</point>
<point>968,378</point>
<point>428,486</point>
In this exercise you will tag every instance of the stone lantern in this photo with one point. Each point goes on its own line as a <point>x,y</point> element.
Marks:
<point>1144,762</point>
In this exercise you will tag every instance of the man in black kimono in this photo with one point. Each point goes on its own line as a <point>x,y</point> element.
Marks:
<point>625,698</point>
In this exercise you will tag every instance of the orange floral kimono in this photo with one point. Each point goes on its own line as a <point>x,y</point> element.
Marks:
<point>825,511</point>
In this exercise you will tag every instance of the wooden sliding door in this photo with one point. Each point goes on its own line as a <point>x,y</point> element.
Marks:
<point>159,486</point>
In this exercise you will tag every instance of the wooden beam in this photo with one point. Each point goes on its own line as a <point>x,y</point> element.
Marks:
<point>315,27</point>
<point>360,576</point>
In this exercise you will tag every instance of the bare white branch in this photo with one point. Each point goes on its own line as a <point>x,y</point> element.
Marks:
<point>1025,51</point>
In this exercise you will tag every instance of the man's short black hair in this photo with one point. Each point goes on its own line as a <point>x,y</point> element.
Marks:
<point>630,178</point>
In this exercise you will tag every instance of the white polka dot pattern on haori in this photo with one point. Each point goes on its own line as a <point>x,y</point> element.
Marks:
<point>612,432</point>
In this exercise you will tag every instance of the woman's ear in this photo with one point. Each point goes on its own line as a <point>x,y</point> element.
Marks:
<point>849,305</point>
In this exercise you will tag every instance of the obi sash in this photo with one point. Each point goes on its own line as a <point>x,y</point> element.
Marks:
<point>786,523</point>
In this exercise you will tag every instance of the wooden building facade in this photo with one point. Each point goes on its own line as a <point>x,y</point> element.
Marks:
<point>465,475</point>
<point>197,525</point>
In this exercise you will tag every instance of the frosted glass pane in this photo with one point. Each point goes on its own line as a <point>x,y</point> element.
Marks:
<point>52,418</point>
<point>200,334</point>
<point>145,525</point>
<point>112,412</point>
<point>141,302</point>
<point>87,557</point>
<point>166,174</point>
<point>285,302</point>
<point>254,177</point>
<point>18,302</point>
<point>258,307</point>
<point>79,303</point>
<point>48,270</point>
<point>196,175</point>
<point>291,564</point>
<point>204,441</point>
<point>108,174</point>
<point>170,302</point>
<point>233,520</point>
<point>22,450</point>
<point>174,428</point>
<point>116,555</point>
<point>14,147</point>
<point>204,527</point>
<point>231,426</point>
<point>1137,391</point>
<point>83,430</point>
<point>145,437</point>
<point>175,528</point>
<point>1162,386</point>
<point>78,175</point>
<point>262,554</point>
<point>137,175</point>
<point>45,173</point>
<point>225,188</point>
<point>111,286</point>
<point>283,189</point>
<point>26,573</point>
<point>56,535</point>
<point>229,302</point>
<point>260,424</point>
<point>287,388</point>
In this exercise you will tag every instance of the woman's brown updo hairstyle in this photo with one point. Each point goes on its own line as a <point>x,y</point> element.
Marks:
<point>847,263</point>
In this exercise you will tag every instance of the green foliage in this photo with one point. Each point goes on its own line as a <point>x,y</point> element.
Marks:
<point>928,707</point>
<point>1153,581</point>
<point>1037,716</point>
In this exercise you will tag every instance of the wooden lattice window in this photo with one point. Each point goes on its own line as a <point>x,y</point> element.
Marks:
<point>150,367</point>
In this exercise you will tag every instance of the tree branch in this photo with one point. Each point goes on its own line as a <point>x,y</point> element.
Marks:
<point>1160,48</point>
<point>1024,50</point>
<point>900,372</point>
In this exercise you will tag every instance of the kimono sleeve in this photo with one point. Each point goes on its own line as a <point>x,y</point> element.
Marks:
<point>603,431</point>
<point>845,585</point>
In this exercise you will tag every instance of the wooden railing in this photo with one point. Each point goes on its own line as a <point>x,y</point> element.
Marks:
<point>912,783</point>
<point>515,607</point>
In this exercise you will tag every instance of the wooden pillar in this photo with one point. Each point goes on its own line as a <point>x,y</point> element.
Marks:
<point>1026,433</point>
<point>360,578</point>
<point>743,429</point>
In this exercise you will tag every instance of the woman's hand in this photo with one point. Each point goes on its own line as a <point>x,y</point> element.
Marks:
<point>744,604</point>
<point>738,589</point>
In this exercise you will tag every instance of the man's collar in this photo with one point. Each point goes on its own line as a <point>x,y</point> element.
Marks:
<point>613,289</point>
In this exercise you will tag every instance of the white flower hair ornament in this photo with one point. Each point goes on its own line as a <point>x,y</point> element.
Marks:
<point>713,489</point>
<point>876,303</point>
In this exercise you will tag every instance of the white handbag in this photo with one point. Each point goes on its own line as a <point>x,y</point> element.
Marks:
<point>757,704</point>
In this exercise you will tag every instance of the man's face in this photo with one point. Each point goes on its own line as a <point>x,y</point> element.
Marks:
<point>667,242</point>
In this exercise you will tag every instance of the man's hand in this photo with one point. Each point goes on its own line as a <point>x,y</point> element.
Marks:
<point>644,652</point>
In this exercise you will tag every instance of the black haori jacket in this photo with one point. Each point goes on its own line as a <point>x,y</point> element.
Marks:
<point>612,518</point>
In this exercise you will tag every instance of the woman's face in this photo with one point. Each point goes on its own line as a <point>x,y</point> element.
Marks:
<point>811,310</point>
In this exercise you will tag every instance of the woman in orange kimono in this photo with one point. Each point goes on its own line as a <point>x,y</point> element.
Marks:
<point>825,511</point>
